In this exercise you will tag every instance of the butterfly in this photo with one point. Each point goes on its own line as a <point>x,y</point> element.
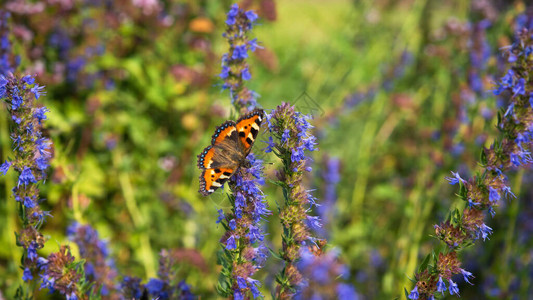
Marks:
<point>230,145</point>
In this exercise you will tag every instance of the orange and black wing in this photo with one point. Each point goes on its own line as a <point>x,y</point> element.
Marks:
<point>223,132</point>
<point>212,179</point>
<point>208,157</point>
<point>248,127</point>
<point>216,170</point>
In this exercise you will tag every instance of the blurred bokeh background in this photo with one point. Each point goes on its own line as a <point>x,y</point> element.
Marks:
<point>400,92</point>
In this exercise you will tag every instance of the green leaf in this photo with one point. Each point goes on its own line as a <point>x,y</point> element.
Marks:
<point>276,255</point>
<point>483,158</point>
<point>424,264</point>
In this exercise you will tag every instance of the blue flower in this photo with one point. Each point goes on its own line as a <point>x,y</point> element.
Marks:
<point>271,145</point>
<point>17,101</point>
<point>507,80</point>
<point>251,16</point>
<point>252,45</point>
<point>42,262</point>
<point>260,254</point>
<point>230,243</point>
<point>245,75</point>
<point>491,211</point>
<point>515,159</point>
<point>414,294</point>
<point>37,91</point>
<point>237,295</point>
<point>254,234</point>
<point>232,224</point>
<point>47,282</point>
<point>155,286</point>
<point>260,210</point>
<point>240,200</point>
<point>28,202</point>
<point>16,119</point>
<point>484,231</point>
<point>40,114</point>
<point>234,11</point>
<point>26,177</point>
<point>519,89</point>
<point>71,296</point>
<point>494,196</point>
<point>441,286</point>
<point>285,136</point>
<point>472,203</point>
<point>254,287</point>
<point>42,163</point>
<point>28,79</point>
<point>297,154</point>
<point>3,81</point>
<point>314,222</point>
<point>454,290</point>
<point>241,282</point>
<point>27,276</point>
<point>185,291</point>
<point>225,72</point>
<point>346,291</point>
<point>467,275</point>
<point>455,179</point>
<point>5,167</point>
<point>310,143</point>
<point>220,216</point>
<point>239,52</point>
<point>507,190</point>
<point>42,146</point>
<point>32,251</point>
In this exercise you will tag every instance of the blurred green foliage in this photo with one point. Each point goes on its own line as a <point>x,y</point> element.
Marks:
<point>127,131</point>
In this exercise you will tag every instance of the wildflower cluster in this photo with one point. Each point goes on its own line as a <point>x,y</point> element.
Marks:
<point>484,191</point>
<point>235,69</point>
<point>292,137</point>
<point>166,286</point>
<point>61,273</point>
<point>31,156</point>
<point>244,251</point>
<point>99,267</point>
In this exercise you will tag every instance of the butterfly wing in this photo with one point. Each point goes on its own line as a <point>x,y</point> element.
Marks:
<point>230,144</point>
<point>212,179</point>
<point>217,161</point>
<point>248,128</point>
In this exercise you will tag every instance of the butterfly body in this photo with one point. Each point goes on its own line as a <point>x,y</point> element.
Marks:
<point>230,145</point>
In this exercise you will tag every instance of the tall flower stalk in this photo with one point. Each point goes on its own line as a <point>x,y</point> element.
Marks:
<point>235,69</point>
<point>483,192</point>
<point>99,267</point>
<point>31,153</point>
<point>243,251</point>
<point>290,139</point>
